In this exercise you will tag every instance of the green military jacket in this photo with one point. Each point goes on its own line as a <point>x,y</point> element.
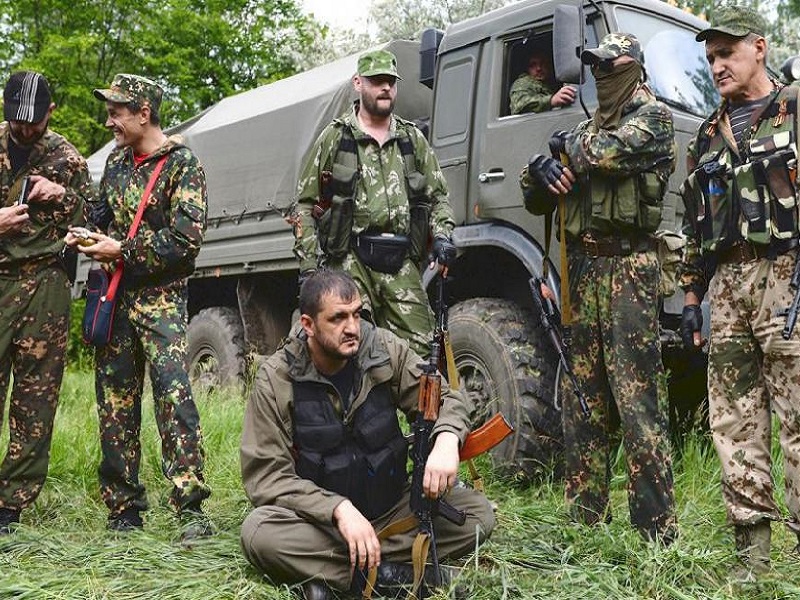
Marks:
<point>268,467</point>
<point>529,94</point>
<point>739,203</point>
<point>381,194</point>
<point>621,173</point>
<point>171,232</point>
<point>42,238</point>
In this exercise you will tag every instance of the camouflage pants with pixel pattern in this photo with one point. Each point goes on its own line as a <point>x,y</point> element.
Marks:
<point>616,356</point>
<point>753,371</point>
<point>34,324</point>
<point>397,302</point>
<point>149,328</point>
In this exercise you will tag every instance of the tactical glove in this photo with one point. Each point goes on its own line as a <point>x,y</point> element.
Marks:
<point>691,321</point>
<point>442,251</point>
<point>558,143</point>
<point>544,170</point>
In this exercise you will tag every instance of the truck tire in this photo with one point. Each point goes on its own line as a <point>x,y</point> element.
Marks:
<point>215,349</point>
<point>505,365</point>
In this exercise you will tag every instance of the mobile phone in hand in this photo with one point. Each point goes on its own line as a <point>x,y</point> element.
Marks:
<point>23,194</point>
<point>84,239</point>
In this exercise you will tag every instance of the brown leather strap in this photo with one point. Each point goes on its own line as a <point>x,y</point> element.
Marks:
<point>419,556</point>
<point>566,302</point>
<point>398,527</point>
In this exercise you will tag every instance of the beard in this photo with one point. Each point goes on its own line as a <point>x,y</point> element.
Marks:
<point>27,142</point>
<point>372,107</point>
<point>332,348</point>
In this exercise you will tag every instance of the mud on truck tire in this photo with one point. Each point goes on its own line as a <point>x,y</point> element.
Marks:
<point>505,365</point>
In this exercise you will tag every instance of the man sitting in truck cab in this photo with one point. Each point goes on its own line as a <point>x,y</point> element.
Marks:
<point>536,90</point>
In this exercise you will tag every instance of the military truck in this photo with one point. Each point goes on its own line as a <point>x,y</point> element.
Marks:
<point>456,83</point>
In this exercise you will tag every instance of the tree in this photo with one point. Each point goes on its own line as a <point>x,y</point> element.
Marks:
<point>199,50</point>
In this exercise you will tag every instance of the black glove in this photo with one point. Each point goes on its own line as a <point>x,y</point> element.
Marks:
<point>545,170</point>
<point>691,321</point>
<point>558,143</point>
<point>442,251</point>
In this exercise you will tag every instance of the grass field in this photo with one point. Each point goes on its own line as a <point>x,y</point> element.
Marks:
<point>63,550</point>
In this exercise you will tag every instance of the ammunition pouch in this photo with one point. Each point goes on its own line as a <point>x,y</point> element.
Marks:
<point>382,252</point>
<point>709,203</point>
<point>632,203</point>
<point>335,222</point>
<point>419,218</point>
<point>670,250</point>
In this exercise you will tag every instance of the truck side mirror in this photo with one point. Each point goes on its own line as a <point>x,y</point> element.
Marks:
<point>791,69</point>
<point>431,38</point>
<point>567,43</point>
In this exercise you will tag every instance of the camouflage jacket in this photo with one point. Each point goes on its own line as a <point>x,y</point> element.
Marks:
<point>381,196</point>
<point>169,237</point>
<point>40,241</point>
<point>770,135</point>
<point>529,94</point>
<point>267,450</point>
<point>621,173</point>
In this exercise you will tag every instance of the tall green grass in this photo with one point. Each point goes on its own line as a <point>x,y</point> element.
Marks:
<point>63,550</point>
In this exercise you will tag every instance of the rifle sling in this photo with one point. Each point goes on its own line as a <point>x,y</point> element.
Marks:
<point>566,304</point>
<point>399,527</point>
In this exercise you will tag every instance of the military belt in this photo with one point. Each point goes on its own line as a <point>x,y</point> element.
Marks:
<point>743,251</point>
<point>595,247</point>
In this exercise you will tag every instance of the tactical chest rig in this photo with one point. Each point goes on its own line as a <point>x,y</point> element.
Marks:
<point>362,458</point>
<point>334,211</point>
<point>751,196</point>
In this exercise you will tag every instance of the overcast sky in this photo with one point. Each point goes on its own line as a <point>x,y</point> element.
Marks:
<point>339,13</point>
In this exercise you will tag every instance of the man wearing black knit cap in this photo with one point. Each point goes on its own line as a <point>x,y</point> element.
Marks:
<point>43,184</point>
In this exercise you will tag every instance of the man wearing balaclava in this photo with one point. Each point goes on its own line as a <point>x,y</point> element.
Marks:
<point>613,176</point>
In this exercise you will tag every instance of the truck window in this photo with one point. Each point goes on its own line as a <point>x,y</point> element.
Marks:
<point>455,91</point>
<point>529,56</point>
<point>677,70</point>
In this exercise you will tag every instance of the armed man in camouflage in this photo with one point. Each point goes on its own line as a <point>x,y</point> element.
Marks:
<point>34,290</point>
<point>536,90</point>
<point>742,222</point>
<point>150,321</point>
<point>615,181</point>
<point>369,197</point>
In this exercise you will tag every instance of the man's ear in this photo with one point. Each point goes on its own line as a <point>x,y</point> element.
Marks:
<point>357,83</point>
<point>144,113</point>
<point>308,325</point>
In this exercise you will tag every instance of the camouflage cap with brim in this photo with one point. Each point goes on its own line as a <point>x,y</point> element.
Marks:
<point>378,62</point>
<point>132,88</point>
<point>614,45</point>
<point>736,21</point>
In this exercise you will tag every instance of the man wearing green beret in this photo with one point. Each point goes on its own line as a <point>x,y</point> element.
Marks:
<point>150,321</point>
<point>370,196</point>
<point>742,222</point>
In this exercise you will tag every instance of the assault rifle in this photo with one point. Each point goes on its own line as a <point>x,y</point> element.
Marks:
<point>791,312</point>
<point>550,323</point>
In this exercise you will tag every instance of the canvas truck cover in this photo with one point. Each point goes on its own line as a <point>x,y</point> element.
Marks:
<point>252,145</point>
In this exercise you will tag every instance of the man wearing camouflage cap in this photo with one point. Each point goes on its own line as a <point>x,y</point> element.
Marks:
<point>536,90</point>
<point>742,223</point>
<point>34,289</point>
<point>613,184</point>
<point>369,197</point>
<point>150,321</point>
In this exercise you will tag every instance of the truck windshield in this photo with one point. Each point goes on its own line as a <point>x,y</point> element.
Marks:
<point>677,70</point>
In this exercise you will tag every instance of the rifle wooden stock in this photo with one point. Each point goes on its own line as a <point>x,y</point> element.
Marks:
<point>485,437</point>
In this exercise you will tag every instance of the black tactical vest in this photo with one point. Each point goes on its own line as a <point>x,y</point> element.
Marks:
<point>363,460</point>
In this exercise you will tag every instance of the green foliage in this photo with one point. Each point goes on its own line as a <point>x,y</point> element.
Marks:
<point>63,550</point>
<point>80,356</point>
<point>201,51</point>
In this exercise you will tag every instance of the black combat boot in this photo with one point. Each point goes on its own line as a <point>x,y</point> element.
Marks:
<point>8,517</point>
<point>395,580</point>
<point>128,520</point>
<point>316,590</point>
<point>194,523</point>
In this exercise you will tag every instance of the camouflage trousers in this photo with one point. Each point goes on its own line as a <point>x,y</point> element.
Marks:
<point>753,371</point>
<point>397,302</point>
<point>149,328</point>
<point>34,324</point>
<point>616,356</point>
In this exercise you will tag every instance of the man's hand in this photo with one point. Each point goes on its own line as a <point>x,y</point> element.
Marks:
<point>104,249</point>
<point>357,531</point>
<point>13,218</point>
<point>443,251</point>
<point>691,325</point>
<point>44,190</point>
<point>547,292</point>
<point>551,174</point>
<point>558,143</point>
<point>442,466</point>
<point>565,96</point>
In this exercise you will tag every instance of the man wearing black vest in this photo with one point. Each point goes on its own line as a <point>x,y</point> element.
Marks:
<point>324,458</point>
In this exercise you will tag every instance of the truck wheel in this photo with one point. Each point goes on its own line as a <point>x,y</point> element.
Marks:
<point>215,348</point>
<point>505,366</point>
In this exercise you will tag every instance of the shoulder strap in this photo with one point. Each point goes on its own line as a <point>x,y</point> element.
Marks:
<point>119,266</point>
